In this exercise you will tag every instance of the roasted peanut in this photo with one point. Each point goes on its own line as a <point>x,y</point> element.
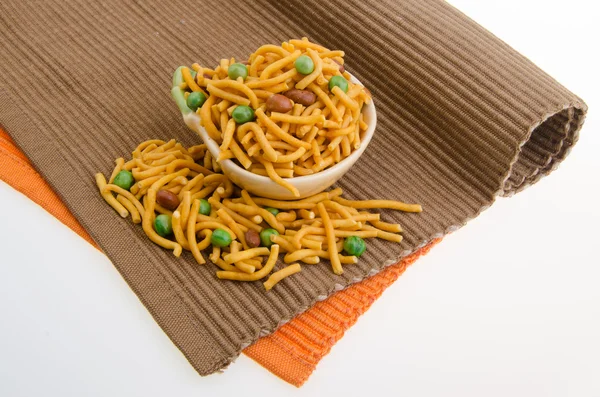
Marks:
<point>167,199</point>
<point>303,97</point>
<point>252,238</point>
<point>279,103</point>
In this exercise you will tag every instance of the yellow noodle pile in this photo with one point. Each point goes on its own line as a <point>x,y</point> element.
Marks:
<point>309,229</point>
<point>302,141</point>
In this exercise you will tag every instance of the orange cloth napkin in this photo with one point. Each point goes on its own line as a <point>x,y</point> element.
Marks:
<point>293,351</point>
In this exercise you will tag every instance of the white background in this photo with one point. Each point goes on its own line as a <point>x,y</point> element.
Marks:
<point>509,305</point>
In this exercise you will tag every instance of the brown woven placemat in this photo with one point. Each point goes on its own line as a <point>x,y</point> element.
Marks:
<point>462,118</point>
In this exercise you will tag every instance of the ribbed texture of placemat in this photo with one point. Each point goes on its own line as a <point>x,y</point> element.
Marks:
<point>462,118</point>
<point>293,351</point>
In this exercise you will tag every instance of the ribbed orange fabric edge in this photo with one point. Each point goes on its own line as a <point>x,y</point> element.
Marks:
<point>294,350</point>
<point>17,171</point>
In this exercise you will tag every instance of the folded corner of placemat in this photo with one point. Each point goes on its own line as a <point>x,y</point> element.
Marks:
<point>462,118</point>
<point>547,143</point>
<point>441,76</point>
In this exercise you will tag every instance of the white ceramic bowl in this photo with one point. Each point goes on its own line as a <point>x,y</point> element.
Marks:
<point>261,185</point>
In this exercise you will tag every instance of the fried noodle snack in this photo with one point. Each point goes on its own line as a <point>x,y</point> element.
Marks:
<point>286,111</point>
<point>184,202</point>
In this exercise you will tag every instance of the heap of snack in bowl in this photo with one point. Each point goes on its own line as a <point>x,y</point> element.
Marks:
<point>288,111</point>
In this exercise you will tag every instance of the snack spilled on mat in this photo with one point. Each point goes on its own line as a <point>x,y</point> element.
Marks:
<point>184,205</point>
<point>288,111</point>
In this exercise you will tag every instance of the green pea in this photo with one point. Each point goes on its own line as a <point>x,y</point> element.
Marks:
<point>162,225</point>
<point>338,81</point>
<point>237,70</point>
<point>272,210</point>
<point>204,207</point>
<point>243,114</point>
<point>354,246</point>
<point>265,237</point>
<point>220,238</point>
<point>124,180</point>
<point>193,73</point>
<point>195,100</point>
<point>304,64</point>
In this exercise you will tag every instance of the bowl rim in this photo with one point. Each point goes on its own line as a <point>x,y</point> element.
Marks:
<point>213,146</point>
